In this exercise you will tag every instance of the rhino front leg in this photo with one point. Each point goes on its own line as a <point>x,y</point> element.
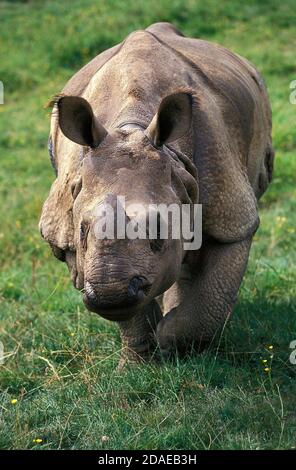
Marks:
<point>199,304</point>
<point>138,335</point>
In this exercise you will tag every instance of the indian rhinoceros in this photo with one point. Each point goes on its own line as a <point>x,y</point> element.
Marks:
<point>160,118</point>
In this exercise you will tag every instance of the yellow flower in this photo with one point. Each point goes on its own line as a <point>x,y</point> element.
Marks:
<point>266,369</point>
<point>13,401</point>
<point>270,347</point>
<point>37,441</point>
<point>280,221</point>
<point>72,334</point>
<point>264,361</point>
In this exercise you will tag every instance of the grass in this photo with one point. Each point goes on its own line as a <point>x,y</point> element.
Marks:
<point>61,360</point>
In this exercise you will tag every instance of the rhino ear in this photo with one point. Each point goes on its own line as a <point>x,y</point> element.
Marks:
<point>172,120</point>
<point>78,123</point>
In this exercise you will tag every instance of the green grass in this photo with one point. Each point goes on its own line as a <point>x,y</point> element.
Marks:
<point>61,360</point>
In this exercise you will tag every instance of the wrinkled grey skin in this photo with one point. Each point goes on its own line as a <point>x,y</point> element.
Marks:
<point>160,118</point>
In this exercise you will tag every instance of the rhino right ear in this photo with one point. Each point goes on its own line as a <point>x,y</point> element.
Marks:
<point>172,120</point>
<point>78,123</point>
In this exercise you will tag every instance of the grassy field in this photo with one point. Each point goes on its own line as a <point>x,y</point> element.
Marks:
<point>59,381</point>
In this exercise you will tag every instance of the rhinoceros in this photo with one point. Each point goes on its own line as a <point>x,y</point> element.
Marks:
<point>160,119</point>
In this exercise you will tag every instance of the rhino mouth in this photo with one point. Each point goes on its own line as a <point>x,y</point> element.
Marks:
<point>114,312</point>
<point>118,306</point>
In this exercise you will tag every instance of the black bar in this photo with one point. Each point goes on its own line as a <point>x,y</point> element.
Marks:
<point>132,459</point>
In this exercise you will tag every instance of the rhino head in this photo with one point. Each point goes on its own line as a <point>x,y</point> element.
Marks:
<point>119,276</point>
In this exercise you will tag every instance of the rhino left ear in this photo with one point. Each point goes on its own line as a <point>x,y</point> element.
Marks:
<point>172,120</point>
<point>78,123</point>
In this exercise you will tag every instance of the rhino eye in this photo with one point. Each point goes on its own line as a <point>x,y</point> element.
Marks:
<point>76,188</point>
<point>157,243</point>
<point>84,229</point>
<point>51,155</point>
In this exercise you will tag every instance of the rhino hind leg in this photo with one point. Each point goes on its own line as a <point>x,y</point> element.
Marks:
<point>138,335</point>
<point>198,305</point>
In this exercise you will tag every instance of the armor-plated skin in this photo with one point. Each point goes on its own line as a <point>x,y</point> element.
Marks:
<point>174,120</point>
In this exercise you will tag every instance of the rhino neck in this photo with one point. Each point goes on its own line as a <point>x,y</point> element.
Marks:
<point>184,159</point>
<point>184,176</point>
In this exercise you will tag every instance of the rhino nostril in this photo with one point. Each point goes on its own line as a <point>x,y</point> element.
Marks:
<point>137,286</point>
<point>58,252</point>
